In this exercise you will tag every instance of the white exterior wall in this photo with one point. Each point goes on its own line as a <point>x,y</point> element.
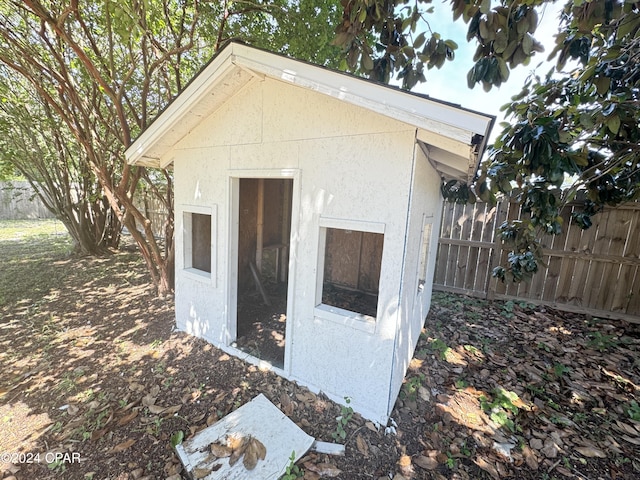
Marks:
<point>348,164</point>
<point>426,209</point>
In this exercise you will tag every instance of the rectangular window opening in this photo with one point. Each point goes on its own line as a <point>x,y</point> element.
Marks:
<point>201,242</point>
<point>424,256</point>
<point>351,270</point>
<point>197,242</point>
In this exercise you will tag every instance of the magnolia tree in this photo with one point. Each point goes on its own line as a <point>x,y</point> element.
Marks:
<point>575,130</point>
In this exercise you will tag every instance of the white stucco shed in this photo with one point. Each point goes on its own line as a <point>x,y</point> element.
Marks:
<point>307,207</point>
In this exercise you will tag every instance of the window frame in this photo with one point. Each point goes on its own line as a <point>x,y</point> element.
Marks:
<point>339,315</point>
<point>424,253</point>
<point>187,236</point>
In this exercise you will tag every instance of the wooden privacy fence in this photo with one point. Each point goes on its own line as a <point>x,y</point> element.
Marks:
<point>595,271</point>
<point>18,201</point>
<point>154,210</point>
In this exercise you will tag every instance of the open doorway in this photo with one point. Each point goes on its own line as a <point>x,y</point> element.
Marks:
<point>264,228</point>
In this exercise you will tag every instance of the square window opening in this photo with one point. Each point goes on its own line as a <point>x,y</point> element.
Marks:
<point>351,263</point>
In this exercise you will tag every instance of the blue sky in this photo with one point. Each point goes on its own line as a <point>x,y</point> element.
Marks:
<point>450,82</point>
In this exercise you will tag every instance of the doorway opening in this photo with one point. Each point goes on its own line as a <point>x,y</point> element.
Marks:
<point>264,229</point>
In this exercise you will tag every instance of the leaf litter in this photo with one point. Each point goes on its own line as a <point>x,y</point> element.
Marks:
<point>496,390</point>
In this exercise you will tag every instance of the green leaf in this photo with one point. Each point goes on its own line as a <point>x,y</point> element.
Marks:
<point>419,41</point>
<point>367,62</point>
<point>501,41</point>
<point>451,44</point>
<point>613,124</point>
<point>504,69</point>
<point>527,43</point>
<point>176,438</point>
<point>471,77</point>
<point>602,85</point>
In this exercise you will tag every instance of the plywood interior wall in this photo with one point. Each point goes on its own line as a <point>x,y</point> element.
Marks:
<point>353,259</point>
<point>275,218</point>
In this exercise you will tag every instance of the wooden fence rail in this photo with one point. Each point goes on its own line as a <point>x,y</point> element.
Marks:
<point>595,271</point>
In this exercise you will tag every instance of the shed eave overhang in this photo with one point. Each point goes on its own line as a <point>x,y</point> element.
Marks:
<point>453,127</point>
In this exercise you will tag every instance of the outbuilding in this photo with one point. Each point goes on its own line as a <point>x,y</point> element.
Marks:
<point>307,208</point>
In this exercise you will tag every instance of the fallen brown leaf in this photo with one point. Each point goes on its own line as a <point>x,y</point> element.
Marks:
<point>238,444</point>
<point>127,418</point>
<point>96,434</point>
<point>362,445</point>
<point>323,469</point>
<point>155,409</point>
<point>405,467</point>
<point>172,410</point>
<point>487,467</point>
<point>200,472</point>
<point>250,458</point>
<point>428,463</point>
<point>261,450</point>
<point>211,419</point>
<point>590,452</point>
<point>198,418</point>
<point>635,441</point>
<point>530,458</point>
<point>121,447</point>
<point>221,451</point>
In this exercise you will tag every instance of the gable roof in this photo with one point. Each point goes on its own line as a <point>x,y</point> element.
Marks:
<point>453,137</point>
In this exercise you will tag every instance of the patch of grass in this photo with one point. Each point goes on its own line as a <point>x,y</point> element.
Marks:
<point>23,247</point>
<point>472,350</point>
<point>29,229</point>
<point>446,300</point>
<point>508,308</point>
<point>411,386</point>
<point>535,389</point>
<point>503,406</point>
<point>461,384</point>
<point>438,347</point>
<point>602,342</point>
<point>544,346</point>
<point>68,383</point>
<point>559,370</point>
<point>633,410</point>
<point>473,316</point>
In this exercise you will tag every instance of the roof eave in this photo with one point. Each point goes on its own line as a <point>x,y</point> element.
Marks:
<point>452,126</point>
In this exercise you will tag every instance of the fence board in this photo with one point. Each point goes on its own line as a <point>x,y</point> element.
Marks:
<point>594,271</point>
<point>18,201</point>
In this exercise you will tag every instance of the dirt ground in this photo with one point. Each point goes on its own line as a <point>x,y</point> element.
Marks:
<point>95,381</point>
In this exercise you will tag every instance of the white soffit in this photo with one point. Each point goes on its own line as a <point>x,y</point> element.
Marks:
<point>450,165</point>
<point>440,124</point>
